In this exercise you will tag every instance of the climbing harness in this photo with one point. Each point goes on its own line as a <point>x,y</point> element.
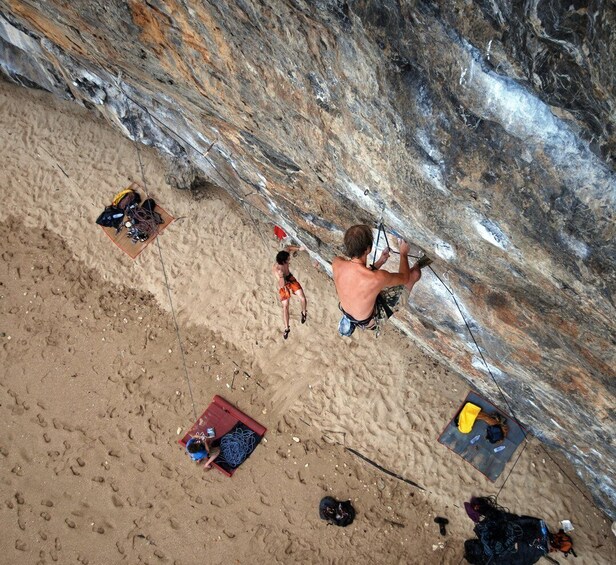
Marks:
<point>348,324</point>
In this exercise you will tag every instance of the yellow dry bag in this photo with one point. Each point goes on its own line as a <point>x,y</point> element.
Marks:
<point>467,417</point>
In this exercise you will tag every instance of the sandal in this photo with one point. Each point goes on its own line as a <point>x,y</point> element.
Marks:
<point>304,316</point>
<point>285,335</point>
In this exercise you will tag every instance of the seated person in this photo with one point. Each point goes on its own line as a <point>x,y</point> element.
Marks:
<point>202,448</point>
<point>360,288</point>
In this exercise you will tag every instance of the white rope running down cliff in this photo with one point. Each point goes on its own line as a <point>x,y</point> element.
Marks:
<point>524,432</point>
<point>175,320</point>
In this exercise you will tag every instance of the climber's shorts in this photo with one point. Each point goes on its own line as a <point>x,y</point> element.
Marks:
<point>291,286</point>
<point>388,301</point>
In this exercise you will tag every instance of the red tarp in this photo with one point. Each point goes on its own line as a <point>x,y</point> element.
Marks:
<point>223,417</point>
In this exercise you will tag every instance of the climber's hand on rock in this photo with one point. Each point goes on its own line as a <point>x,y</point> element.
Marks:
<point>384,256</point>
<point>405,248</point>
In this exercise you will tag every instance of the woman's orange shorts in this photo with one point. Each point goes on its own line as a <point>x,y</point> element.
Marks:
<point>291,286</point>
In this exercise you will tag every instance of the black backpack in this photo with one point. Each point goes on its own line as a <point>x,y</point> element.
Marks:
<point>337,513</point>
<point>111,217</point>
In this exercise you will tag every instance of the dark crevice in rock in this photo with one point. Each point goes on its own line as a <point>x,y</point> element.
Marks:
<point>280,161</point>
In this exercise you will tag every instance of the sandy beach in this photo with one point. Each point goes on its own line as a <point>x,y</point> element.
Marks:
<point>93,394</point>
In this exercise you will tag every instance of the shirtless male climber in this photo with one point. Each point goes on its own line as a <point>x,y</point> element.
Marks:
<point>360,288</point>
<point>287,285</point>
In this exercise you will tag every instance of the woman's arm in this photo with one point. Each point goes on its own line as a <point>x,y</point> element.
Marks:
<point>214,452</point>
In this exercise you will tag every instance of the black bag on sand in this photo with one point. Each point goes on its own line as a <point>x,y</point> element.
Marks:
<point>337,513</point>
<point>111,218</point>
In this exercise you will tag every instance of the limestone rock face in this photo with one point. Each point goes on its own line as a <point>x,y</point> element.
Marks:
<point>481,131</point>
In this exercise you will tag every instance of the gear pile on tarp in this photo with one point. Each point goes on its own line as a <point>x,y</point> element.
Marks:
<point>132,224</point>
<point>482,435</point>
<point>235,432</point>
<point>509,539</point>
<point>126,211</point>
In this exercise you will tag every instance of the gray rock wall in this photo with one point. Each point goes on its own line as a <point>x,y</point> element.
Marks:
<point>483,132</point>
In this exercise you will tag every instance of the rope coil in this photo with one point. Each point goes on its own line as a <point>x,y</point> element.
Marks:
<point>237,445</point>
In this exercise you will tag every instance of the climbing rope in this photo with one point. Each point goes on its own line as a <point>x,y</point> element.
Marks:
<point>237,445</point>
<point>500,390</point>
<point>175,320</point>
<point>509,406</point>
